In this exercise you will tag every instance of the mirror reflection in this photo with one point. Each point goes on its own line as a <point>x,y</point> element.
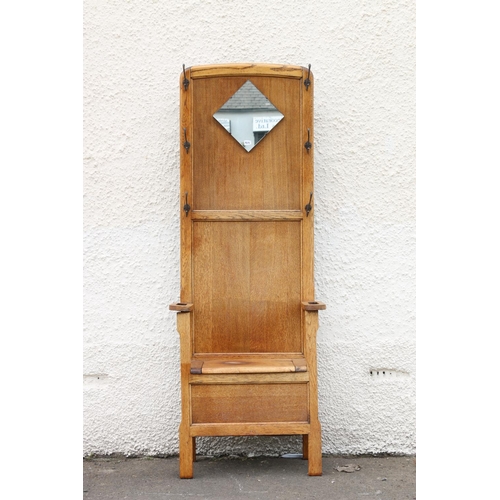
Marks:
<point>248,115</point>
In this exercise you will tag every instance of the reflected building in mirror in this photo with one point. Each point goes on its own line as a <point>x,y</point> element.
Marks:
<point>248,115</point>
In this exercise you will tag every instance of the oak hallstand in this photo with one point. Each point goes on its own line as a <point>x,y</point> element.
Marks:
<point>247,316</point>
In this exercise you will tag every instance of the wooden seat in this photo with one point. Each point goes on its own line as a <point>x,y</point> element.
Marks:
<point>247,318</point>
<point>248,365</point>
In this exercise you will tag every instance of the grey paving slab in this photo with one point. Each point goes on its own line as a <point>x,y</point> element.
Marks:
<point>383,478</point>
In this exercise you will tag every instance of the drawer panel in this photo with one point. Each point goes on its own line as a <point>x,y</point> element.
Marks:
<point>249,403</point>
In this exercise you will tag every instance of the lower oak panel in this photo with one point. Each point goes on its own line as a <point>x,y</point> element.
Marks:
<point>249,403</point>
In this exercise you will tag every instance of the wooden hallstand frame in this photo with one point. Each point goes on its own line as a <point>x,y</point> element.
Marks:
<point>247,316</point>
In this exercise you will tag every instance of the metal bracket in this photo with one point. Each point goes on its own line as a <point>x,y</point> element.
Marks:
<point>308,207</point>
<point>308,144</point>
<point>187,207</point>
<point>307,81</point>
<point>185,82</point>
<point>187,144</point>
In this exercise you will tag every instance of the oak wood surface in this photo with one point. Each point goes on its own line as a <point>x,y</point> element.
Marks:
<point>300,364</point>
<point>249,403</point>
<point>186,185</point>
<point>247,215</point>
<point>186,452</point>
<point>247,286</point>
<point>248,329</point>
<point>181,307</point>
<point>248,355</point>
<point>196,366</point>
<point>313,305</point>
<point>314,438</point>
<point>250,429</point>
<point>307,188</point>
<point>250,378</point>
<point>225,175</point>
<point>248,366</point>
<point>247,69</point>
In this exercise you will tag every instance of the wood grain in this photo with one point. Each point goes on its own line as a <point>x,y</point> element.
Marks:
<point>225,175</point>
<point>250,378</point>
<point>300,364</point>
<point>181,307</point>
<point>249,355</point>
<point>247,287</point>
<point>313,305</point>
<point>314,438</point>
<point>246,215</point>
<point>247,366</point>
<point>247,317</point>
<point>250,429</point>
<point>196,366</point>
<point>247,69</point>
<point>249,403</point>
<point>186,186</point>
<point>307,188</point>
<point>186,452</point>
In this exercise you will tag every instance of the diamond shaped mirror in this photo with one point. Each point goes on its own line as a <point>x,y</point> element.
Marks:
<point>248,115</point>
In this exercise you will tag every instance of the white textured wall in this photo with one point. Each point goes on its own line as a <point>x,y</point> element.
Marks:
<point>363,58</point>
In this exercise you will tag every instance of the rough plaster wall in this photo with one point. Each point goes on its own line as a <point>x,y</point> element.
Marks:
<point>363,58</point>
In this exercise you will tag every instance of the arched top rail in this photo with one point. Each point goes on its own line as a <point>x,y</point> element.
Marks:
<point>247,69</point>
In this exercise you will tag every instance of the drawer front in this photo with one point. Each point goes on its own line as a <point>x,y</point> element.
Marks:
<point>249,403</point>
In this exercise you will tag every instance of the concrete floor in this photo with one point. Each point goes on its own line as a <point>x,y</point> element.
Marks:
<point>384,478</point>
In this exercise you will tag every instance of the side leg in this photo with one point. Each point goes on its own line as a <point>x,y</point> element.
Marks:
<point>186,453</point>
<point>305,446</point>
<point>186,441</point>
<point>314,438</point>
<point>315,467</point>
<point>194,449</point>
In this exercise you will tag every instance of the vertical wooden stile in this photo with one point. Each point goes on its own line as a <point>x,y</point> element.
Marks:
<point>186,185</point>
<point>185,319</point>
<point>307,189</point>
